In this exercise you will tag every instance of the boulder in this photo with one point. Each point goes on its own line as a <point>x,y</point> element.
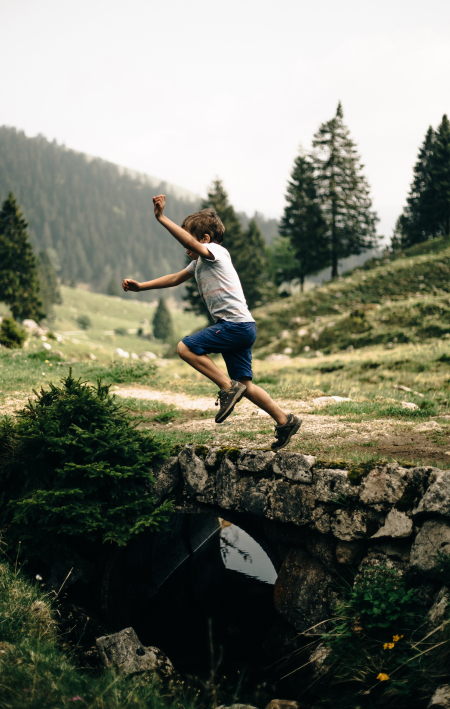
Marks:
<point>294,466</point>
<point>125,652</point>
<point>194,473</point>
<point>166,478</point>
<point>384,486</point>
<point>318,660</point>
<point>255,461</point>
<point>441,698</point>
<point>438,611</point>
<point>226,485</point>
<point>396,524</point>
<point>303,592</point>
<point>333,485</point>
<point>433,537</point>
<point>437,497</point>
<point>284,704</point>
<point>349,552</point>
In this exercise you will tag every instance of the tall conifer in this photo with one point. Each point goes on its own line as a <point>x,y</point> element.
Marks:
<point>417,222</point>
<point>247,250</point>
<point>162,322</point>
<point>427,211</point>
<point>19,284</point>
<point>343,192</point>
<point>49,290</point>
<point>303,224</point>
<point>440,175</point>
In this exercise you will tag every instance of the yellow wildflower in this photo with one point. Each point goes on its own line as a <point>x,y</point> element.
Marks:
<point>382,677</point>
<point>46,361</point>
<point>396,638</point>
<point>388,646</point>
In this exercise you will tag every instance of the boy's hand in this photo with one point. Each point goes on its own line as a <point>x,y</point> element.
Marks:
<point>159,203</point>
<point>128,284</point>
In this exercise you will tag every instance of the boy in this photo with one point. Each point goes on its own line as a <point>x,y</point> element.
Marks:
<point>234,332</point>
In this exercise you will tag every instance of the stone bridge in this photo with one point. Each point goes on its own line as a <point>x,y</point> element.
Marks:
<point>312,520</point>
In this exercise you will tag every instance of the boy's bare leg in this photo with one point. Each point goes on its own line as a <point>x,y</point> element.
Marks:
<point>261,398</point>
<point>204,365</point>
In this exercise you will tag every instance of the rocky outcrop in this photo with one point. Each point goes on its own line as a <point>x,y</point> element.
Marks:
<point>125,652</point>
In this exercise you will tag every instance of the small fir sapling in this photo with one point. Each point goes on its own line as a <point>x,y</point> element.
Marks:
<point>74,470</point>
<point>11,334</point>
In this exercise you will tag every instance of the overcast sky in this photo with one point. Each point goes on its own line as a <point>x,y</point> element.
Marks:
<point>187,91</point>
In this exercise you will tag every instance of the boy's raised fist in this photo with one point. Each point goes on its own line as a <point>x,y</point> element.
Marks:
<point>128,284</point>
<point>159,203</point>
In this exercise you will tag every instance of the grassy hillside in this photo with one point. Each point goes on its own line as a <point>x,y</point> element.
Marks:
<point>402,299</point>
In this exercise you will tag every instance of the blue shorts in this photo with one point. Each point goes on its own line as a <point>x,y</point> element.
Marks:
<point>233,340</point>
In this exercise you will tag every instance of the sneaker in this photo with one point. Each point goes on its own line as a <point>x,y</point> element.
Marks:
<point>285,432</point>
<point>228,398</point>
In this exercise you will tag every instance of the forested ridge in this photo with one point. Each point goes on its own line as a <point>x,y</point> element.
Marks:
<point>97,218</point>
<point>100,222</point>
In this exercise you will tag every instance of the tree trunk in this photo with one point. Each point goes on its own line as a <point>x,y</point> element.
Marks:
<point>302,281</point>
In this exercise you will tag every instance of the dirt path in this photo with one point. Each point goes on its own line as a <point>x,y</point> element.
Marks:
<point>250,426</point>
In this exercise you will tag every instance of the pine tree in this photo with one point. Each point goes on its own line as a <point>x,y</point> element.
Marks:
<point>427,211</point>
<point>417,222</point>
<point>303,224</point>
<point>343,192</point>
<point>19,285</point>
<point>247,251</point>
<point>113,288</point>
<point>440,177</point>
<point>49,290</point>
<point>162,322</point>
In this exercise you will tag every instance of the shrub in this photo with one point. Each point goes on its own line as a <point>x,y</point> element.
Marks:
<point>121,331</point>
<point>84,321</point>
<point>11,334</point>
<point>74,470</point>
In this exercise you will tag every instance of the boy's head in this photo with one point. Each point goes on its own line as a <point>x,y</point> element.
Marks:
<point>205,222</point>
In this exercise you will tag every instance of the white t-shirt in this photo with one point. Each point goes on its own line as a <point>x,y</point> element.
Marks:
<point>219,286</point>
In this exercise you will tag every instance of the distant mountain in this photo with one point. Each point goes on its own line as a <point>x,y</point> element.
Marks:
<point>96,216</point>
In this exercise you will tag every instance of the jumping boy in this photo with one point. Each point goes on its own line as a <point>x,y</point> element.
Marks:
<point>234,332</point>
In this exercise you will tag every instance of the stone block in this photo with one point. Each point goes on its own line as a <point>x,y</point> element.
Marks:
<point>227,479</point>
<point>294,466</point>
<point>349,552</point>
<point>194,472</point>
<point>433,537</point>
<point>331,485</point>
<point>303,592</point>
<point>436,499</point>
<point>348,525</point>
<point>291,503</point>
<point>384,486</point>
<point>166,478</point>
<point>321,519</point>
<point>396,525</point>
<point>255,461</point>
<point>125,652</point>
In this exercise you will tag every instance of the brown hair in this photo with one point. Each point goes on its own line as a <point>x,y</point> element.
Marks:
<point>205,222</point>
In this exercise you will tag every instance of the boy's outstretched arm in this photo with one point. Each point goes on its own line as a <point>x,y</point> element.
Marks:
<point>170,281</point>
<point>181,235</point>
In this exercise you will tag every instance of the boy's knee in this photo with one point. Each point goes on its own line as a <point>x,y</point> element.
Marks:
<point>182,350</point>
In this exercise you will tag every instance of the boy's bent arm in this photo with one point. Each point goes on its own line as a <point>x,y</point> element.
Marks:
<point>181,235</point>
<point>170,281</point>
